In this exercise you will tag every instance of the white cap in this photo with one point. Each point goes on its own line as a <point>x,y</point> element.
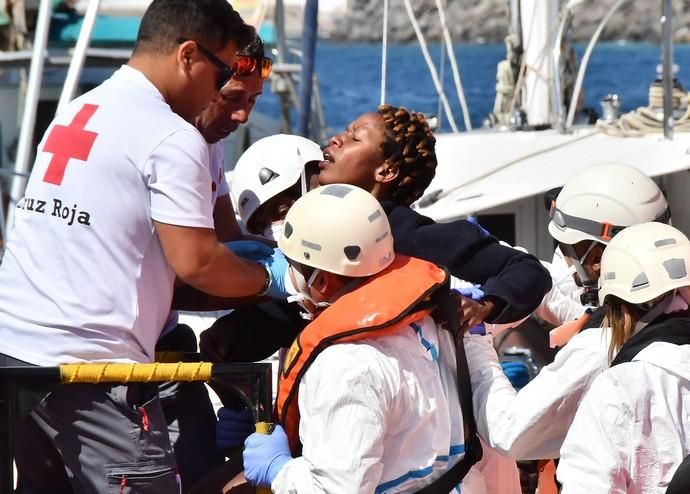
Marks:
<point>340,229</point>
<point>643,262</point>
<point>600,201</point>
<point>268,167</point>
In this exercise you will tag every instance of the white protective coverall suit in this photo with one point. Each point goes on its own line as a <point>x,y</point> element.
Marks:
<point>532,423</point>
<point>561,304</point>
<point>630,433</point>
<point>378,415</point>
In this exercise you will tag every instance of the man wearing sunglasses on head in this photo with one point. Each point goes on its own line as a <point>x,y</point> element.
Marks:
<point>186,405</point>
<point>117,205</point>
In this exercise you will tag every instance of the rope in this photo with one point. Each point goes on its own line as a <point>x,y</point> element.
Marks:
<point>430,64</point>
<point>384,51</point>
<point>523,64</point>
<point>454,66</point>
<point>643,121</point>
<point>156,372</point>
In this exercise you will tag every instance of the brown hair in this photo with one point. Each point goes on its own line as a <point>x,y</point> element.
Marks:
<point>408,146</point>
<point>621,317</point>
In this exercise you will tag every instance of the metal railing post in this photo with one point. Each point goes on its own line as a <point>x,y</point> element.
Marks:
<point>33,93</point>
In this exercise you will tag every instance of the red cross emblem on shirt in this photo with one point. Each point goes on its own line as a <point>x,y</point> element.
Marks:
<point>67,142</point>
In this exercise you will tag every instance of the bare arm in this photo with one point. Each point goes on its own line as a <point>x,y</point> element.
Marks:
<point>199,260</point>
<point>224,220</point>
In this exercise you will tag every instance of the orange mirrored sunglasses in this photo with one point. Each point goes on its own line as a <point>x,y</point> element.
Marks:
<point>245,65</point>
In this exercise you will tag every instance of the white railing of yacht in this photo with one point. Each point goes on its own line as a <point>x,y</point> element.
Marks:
<point>77,63</point>
<point>33,90</point>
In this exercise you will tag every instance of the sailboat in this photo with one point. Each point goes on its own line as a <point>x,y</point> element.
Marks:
<point>501,174</point>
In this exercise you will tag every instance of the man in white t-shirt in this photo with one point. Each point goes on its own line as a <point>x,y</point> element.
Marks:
<point>118,204</point>
<point>186,405</point>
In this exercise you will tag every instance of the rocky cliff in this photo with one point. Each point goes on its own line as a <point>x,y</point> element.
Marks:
<point>488,20</point>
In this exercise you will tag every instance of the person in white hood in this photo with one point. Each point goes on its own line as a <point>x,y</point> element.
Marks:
<point>630,432</point>
<point>532,423</point>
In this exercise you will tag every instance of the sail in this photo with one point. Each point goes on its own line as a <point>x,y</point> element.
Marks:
<point>539,25</point>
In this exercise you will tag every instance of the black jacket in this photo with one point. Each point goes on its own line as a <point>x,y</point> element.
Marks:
<point>516,280</point>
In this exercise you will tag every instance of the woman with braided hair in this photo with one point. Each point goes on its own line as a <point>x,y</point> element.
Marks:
<point>390,153</point>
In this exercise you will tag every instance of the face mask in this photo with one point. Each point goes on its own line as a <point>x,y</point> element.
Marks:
<point>680,301</point>
<point>274,231</point>
<point>303,297</point>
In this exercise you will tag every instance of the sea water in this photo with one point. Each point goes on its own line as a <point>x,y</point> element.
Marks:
<point>349,77</point>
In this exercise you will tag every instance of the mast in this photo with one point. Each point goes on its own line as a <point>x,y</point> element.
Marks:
<point>667,62</point>
<point>309,37</point>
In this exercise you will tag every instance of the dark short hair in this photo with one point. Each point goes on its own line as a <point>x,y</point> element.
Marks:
<point>212,23</point>
<point>409,147</point>
<point>254,49</point>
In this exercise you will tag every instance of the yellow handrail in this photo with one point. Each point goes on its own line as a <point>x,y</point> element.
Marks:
<point>124,373</point>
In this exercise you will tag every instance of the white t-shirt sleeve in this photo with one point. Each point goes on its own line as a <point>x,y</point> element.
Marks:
<point>179,181</point>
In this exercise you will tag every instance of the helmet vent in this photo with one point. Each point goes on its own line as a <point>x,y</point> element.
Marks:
<point>352,252</point>
<point>374,216</point>
<point>337,190</point>
<point>666,241</point>
<point>610,275</point>
<point>639,282</point>
<point>675,268</point>
<point>287,231</point>
<point>266,175</point>
<point>311,245</point>
<point>383,236</point>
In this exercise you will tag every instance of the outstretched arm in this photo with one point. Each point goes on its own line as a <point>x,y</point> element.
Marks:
<point>532,423</point>
<point>514,281</point>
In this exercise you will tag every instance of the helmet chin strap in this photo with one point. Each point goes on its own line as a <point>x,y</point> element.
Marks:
<point>590,288</point>
<point>653,312</point>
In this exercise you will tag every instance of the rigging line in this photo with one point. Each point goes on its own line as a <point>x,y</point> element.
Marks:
<point>384,51</point>
<point>454,66</point>
<point>585,62</point>
<point>430,64</point>
<point>548,149</point>
<point>523,65</point>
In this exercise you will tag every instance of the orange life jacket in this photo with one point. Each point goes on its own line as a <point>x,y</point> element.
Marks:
<point>383,304</point>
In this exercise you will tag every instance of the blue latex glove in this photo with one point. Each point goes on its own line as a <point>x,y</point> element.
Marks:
<point>516,372</point>
<point>277,266</point>
<point>479,329</point>
<point>264,455</point>
<point>483,232</point>
<point>249,249</point>
<point>474,292</point>
<point>233,427</point>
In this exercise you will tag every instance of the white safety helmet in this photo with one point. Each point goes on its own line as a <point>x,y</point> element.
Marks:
<point>340,229</point>
<point>602,200</point>
<point>643,262</point>
<point>268,167</point>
